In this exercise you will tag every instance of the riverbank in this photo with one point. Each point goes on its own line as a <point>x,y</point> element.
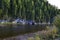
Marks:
<point>10,23</point>
<point>44,34</point>
<point>12,30</point>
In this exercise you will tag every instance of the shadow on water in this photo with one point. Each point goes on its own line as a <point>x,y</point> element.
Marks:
<point>13,30</point>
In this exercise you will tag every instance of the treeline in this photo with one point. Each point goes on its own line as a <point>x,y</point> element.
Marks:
<point>38,10</point>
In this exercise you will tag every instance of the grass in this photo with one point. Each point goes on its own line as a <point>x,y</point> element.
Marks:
<point>8,23</point>
<point>49,34</point>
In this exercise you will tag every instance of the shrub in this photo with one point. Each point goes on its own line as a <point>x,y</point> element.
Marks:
<point>30,38</point>
<point>57,21</point>
<point>37,37</point>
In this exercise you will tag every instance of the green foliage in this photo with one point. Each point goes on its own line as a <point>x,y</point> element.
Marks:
<point>0,12</point>
<point>28,9</point>
<point>48,34</point>
<point>30,38</point>
<point>37,37</point>
<point>57,21</point>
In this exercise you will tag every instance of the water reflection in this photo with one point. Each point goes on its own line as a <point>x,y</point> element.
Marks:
<point>12,30</point>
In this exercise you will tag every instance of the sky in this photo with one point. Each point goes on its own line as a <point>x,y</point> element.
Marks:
<point>55,3</point>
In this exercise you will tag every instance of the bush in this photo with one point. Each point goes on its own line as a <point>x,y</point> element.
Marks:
<point>57,21</point>
<point>37,37</point>
<point>30,38</point>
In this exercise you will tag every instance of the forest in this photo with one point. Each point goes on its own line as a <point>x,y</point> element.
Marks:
<point>37,10</point>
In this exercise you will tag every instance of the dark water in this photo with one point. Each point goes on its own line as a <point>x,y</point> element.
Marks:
<point>13,30</point>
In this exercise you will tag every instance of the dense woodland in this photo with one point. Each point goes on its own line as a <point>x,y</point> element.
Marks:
<point>37,10</point>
